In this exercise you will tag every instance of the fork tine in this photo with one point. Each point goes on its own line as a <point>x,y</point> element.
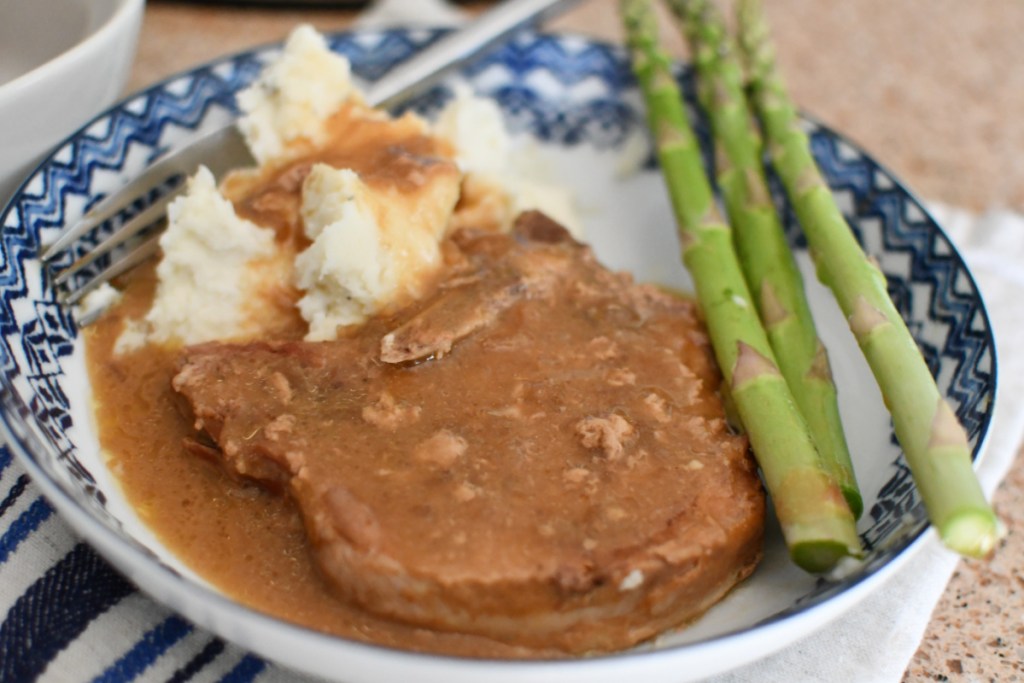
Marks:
<point>121,264</point>
<point>137,224</point>
<point>109,207</point>
<point>231,152</point>
<point>93,217</point>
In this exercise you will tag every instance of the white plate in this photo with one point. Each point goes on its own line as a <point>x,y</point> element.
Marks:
<point>578,99</point>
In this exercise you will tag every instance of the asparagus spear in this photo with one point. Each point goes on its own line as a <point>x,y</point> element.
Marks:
<point>770,269</point>
<point>933,440</point>
<point>816,521</point>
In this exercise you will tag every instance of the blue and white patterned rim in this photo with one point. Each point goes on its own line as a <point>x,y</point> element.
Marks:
<point>928,280</point>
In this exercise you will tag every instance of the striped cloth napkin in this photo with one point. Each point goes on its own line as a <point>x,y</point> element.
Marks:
<point>68,616</point>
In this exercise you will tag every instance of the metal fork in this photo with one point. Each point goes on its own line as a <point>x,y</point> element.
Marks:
<point>224,149</point>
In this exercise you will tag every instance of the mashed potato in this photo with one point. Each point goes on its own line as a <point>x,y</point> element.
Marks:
<point>498,186</point>
<point>372,247</point>
<point>474,128</point>
<point>208,278</point>
<point>294,96</point>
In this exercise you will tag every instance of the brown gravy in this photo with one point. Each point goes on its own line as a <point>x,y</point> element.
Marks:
<point>390,154</point>
<point>249,543</point>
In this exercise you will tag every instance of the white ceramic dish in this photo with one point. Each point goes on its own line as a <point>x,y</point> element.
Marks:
<point>61,62</point>
<point>578,99</point>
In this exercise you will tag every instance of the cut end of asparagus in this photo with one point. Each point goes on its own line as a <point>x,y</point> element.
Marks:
<point>818,557</point>
<point>974,533</point>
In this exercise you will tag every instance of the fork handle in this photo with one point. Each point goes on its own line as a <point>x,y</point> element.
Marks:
<point>428,66</point>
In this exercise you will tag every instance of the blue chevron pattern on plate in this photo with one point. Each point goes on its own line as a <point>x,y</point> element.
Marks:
<point>572,95</point>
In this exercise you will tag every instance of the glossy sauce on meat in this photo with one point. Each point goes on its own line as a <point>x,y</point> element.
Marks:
<point>251,542</point>
<point>391,153</point>
<point>246,541</point>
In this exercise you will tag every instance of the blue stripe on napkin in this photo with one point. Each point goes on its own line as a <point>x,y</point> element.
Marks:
<point>5,458</point>
<point>248,668</point>
<point>154,643</point>
<point>205,656</point>
<point>14,493</point>
<point>55,610</point>
<point>29,520</point>
<point>58,607</point>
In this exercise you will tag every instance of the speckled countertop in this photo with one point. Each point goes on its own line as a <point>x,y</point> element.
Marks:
<point>933,88</point>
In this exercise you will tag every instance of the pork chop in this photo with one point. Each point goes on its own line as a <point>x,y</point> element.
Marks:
<point>535,453</point>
